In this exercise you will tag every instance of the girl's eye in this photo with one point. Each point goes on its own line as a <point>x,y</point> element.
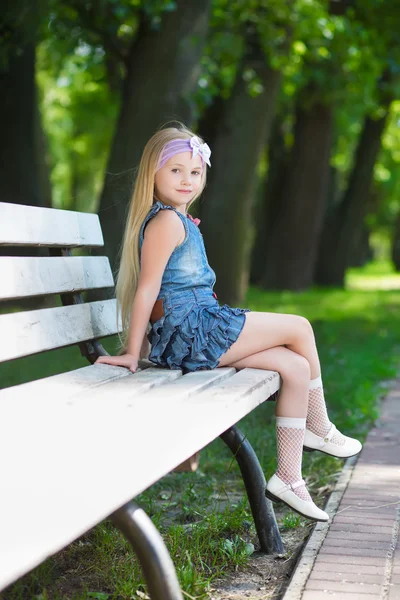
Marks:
<point>175,170</point>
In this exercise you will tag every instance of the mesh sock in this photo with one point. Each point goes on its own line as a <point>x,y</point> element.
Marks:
<point>289,441</point>
<point>317,417</point>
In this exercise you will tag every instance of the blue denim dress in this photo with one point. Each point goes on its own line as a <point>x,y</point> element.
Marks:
<point>195,330</point>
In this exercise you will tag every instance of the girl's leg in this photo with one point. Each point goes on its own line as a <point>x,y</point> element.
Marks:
<point>262,331</point>
<point>295,373</point>
<point>291,411</point>
<point>321,434</point>
<point>317,416</point>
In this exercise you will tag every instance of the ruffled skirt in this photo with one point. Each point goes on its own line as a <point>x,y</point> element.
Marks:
<point>193,335</point>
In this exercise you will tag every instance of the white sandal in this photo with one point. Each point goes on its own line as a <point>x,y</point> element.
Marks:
<point>312,442</point>
<point>279,491</point>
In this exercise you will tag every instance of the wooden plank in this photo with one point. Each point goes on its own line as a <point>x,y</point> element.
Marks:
<point>70,383</point>
<point>127,441</point>
<point>87,379</point>
<point>30,332</point>
<point>36,226</point>
<point>180,389</point>
<point>23,276</point>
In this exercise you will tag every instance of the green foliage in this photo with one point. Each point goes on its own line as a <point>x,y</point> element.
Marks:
<point>333,58</point>
<point>291,521</point>
<point>79,113</point>
<point>333,55</point>
<point>387,176</point>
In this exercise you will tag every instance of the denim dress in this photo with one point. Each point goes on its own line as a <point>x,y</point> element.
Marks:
<point>195,330</point>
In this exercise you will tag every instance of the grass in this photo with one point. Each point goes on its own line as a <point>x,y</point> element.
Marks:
<point>204,516</point>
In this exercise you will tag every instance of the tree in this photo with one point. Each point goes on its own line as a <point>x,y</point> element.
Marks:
<point>345,222</point>
<point>292,243</point>
<point>343,229</point>
<point>328,53</point>
<point>19,116</point>
<point>395,251</point>
<point>270,197</point>
<point>238,124</point>
<point>239,137</point>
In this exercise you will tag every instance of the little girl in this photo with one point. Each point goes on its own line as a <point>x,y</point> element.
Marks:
<point>165,278</point>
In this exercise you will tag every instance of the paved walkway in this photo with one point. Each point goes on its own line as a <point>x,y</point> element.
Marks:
<point>360,556</point>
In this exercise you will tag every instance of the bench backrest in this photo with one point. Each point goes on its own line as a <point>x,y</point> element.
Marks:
<point>29,332</point>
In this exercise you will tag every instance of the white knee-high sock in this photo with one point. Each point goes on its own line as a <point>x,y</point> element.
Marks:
<point>289,440</point>
<point>317,416</point>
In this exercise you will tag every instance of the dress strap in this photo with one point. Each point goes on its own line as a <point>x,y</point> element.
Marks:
<point>157,206</point>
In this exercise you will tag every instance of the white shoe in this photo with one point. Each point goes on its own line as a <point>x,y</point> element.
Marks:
<point>279,491</point>
<point>312,442</point>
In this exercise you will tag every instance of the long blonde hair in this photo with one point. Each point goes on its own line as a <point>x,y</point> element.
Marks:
<point>140,204</point>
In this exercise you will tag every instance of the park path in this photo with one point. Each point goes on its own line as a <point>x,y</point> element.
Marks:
<point>360,556</point>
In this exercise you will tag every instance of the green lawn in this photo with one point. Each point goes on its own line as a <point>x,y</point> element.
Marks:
<point>204,516</point>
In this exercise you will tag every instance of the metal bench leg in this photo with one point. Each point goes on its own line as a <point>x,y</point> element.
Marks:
<point>254,481</point>
<point>156,563</point>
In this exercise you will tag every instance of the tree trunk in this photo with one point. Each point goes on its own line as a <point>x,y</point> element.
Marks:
<point>208,128</point>
<point>362,252</point>
<point>344,225</point>
<point>42,161</point>
<point>162,72</point>
<point>226,211</point>
<point>268,209</point>
<point>396,245</point>
<point>19,177</point>
<point>293,243</point>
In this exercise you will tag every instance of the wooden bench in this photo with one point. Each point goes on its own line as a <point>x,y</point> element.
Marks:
<point>77,447</point>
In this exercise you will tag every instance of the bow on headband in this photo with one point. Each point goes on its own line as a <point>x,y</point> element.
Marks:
<point>185,145</point>
<point>202,149</point>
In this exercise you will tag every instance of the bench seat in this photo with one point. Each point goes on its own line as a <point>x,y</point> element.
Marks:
<point>73,461</point>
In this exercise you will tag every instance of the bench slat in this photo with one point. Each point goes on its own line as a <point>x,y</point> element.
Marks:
<point>36,331</point>
<point>85,457</point>
<point>36,226</point>
<point>81,381</point>
<point>22,276</point>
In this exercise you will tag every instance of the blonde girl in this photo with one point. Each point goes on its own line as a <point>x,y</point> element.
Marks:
<point>165,278</point>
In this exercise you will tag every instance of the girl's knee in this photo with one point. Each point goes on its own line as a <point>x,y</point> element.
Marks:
<point>296,369</point>
<point>303,327</point>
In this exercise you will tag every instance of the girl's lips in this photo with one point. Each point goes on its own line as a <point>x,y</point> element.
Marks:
<point>185,191</point>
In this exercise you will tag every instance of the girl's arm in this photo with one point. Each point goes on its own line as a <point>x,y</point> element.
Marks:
<point>145,347</point>
<point>163,233</point>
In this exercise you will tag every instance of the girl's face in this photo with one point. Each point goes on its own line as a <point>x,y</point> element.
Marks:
<point>179,180</point>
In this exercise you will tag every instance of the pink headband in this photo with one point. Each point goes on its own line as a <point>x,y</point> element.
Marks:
<point>176,146</point>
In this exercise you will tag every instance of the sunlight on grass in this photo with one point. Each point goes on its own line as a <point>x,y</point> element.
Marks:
<point>378,275</point>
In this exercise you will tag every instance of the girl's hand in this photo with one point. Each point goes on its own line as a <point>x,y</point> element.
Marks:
<point>124,360</point>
